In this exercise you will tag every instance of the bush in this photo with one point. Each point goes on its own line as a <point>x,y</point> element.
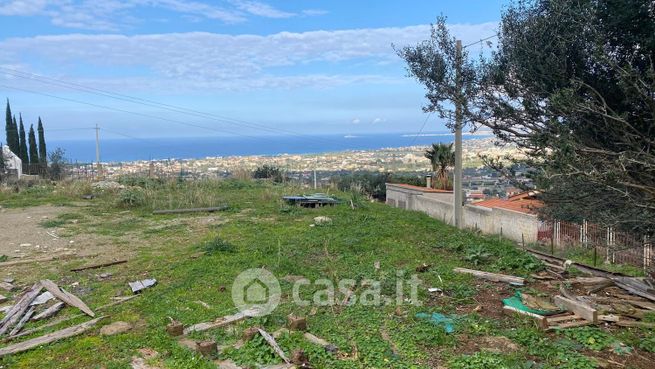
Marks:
<point>131,197</point>
<point>372,184</point>
<point>269,172</point>
<point>216,245</point>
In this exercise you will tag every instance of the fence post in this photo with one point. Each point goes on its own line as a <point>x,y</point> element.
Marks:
<point>552,241</point>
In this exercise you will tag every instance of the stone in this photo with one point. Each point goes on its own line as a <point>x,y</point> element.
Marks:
<point>297,323</point>
<point>207,348</point>
<point>175,328</point>
<point>298,357</point>
<point>8,280</point>
<point>3,299</point>
<point>249,333</point>
<point>115,328</point>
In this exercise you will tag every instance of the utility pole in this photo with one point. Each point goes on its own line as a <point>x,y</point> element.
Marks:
<point>98,169</point>
<point>457,180</point>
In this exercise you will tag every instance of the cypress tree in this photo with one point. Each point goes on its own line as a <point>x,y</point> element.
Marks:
<point>9,124</point>
<point>34,150</point>
<point>22,151</point>
<point>43,154</point>
<point>15,142</point>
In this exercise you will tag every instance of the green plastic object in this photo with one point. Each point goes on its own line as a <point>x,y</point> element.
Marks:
<point>439,319</point>
<point>517,303</point>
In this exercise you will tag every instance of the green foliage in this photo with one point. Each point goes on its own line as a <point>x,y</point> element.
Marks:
<point>647,343</point>
<point>217,245</point>
<point>43,153</point>
<point>57,165</point>
<point>373,184</point>
<point>477,255</point>
<point>590,337</point>
<point>269,172</point>
<point>3,258</point>
<point>131,197</point>
<point>441,157</point>
<point>33,149</point>
<point>573,360</point>
<point>479,360</point>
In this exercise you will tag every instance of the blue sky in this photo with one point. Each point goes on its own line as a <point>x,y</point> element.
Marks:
<point>310,67</point>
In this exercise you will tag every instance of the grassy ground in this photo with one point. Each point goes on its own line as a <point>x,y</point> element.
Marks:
<point>195,258</point>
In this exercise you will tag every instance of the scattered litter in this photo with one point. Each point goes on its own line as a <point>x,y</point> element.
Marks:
<point>321,342</point>
<point>435,290</point>
<point>439,319</point>
<point>518,301</point>
<point>322,220</point>
<point>142,285</point>
<point>222,321</point>
<point>311,201</point>
<point>66,297</point>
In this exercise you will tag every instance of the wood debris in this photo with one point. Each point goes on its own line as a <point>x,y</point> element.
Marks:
<point>495,277</point>
<point>49,338</point>
<point>96,266</point>
<point>271,341</point>
<point>222,321</point>
<point>138,286</point>
<point>67,297</point>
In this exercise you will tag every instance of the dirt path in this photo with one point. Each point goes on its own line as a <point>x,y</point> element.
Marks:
<point>22,236</point>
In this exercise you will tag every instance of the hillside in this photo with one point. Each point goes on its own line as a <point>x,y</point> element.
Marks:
<point>196,257</point>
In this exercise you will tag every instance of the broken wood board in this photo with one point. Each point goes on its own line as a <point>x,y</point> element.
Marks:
<point>271,341</point>
<point>65,319</point>
<point>635,324</point>
<point>566,321</point>
<point>42,298</point>
<point>67,297</point>
<point>540,320</point>
<point>138,286</point>
<point>578,307</point>
<point>63,256</point>
<point>49,338</point>
<point>96,266</point>
<point>7,286</point>
<point>192,210</point>
<point>495,277</point>
<point>222,321</point>
<point>26,317</point>
<point>635,286</point>
<point>49,312</point>
<point>16,312</point>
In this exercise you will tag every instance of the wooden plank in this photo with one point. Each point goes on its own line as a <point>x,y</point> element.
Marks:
<point>540,320</point>
<point>65,319</point>
<point>491,276</point>
<point>7,286</point>
<point>16,312</point>
<point>49,338</point>
<point>635,324</point>
<point>67,297</point>
<point>609,318</point>
<point>22,321</point>
<point>271,341</point>
<point>192,210</point>
<point>138,286</point>
<point>102,265</point>
<point>579,323</point>
<point>222,321</point>
<point>578,307</point>
<point>49,312</point>
<point>562,318</point>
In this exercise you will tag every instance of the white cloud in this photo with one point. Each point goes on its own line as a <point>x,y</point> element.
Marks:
<point>111,15</point>
<point>378,120</point>
<point>356,121</point>
<point>208,60</point>
<point>261,9</point>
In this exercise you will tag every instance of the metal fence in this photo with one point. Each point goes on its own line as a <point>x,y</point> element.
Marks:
<point>603,244</point>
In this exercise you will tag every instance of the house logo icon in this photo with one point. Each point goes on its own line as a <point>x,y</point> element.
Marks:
<point>256,290</point>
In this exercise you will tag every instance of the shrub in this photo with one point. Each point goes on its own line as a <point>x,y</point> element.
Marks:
<point>131,197</point>
<point>269,172</point>
<point>216,245</point>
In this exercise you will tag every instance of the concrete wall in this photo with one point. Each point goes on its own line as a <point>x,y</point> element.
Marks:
<point>511,224</point>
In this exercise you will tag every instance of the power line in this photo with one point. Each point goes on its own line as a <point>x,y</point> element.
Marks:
<point>151,103</point>
<point>481,40</point>
<point>422,128</point>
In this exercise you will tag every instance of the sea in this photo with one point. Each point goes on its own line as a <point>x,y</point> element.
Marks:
<point>132,149</point>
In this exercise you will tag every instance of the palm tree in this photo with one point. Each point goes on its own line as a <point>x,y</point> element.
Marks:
<point>441,157</point>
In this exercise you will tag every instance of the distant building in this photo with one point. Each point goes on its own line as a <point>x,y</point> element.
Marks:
<point>525,202</point>
<point>13,164</point>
